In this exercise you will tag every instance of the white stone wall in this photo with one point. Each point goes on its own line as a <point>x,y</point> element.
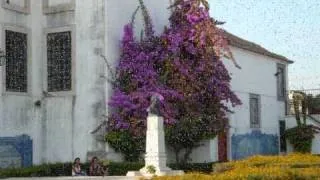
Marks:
<point>60,127</point>
<point>58,2</point>
<point>17,112</point>
<point>17,2</point>
<point>256,76</point>
<point>119,13</point>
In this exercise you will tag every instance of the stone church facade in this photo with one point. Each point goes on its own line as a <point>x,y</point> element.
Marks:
<point>53,94</point>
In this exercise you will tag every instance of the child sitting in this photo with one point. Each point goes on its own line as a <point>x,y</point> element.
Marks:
<point>76,168</point>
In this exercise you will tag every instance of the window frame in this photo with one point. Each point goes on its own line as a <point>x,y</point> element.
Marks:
<point>16,8</point>
<point>258,97</point>
<point>284,80</point>
<point>26,31</point>
<point>47,31</point>
<point>58,8</point>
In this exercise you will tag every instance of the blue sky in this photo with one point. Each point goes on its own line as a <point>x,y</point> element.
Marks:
<point>287,27</point>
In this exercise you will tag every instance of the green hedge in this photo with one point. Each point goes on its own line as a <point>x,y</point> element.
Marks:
<point>193,167</point>
<point>115,169</point>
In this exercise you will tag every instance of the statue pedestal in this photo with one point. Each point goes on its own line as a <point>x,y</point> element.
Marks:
<point>155,150</point>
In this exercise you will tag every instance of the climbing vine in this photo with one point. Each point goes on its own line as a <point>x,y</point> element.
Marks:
<point>184,65</point>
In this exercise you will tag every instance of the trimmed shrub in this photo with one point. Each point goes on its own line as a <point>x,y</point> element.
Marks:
<point>301,137</point>
<point>193,167</point>
<point>114,169</point>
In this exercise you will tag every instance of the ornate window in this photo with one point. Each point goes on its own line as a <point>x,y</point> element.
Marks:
<point>255,112</point>
<point>16,44</point>
<point>59,61</point>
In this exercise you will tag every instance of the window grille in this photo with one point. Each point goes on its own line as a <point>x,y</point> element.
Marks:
<point>59,61</point>
<point>16,61</point>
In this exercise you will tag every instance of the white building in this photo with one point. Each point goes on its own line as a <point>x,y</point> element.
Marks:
<point>53,94</point>
<point>261,85</point>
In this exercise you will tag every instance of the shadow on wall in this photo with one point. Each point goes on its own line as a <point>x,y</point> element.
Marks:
<point>254,143</point>
<point>15,151</point>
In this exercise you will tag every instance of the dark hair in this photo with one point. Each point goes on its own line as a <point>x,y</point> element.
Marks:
<point>76,160</point>
<point>93,158</point>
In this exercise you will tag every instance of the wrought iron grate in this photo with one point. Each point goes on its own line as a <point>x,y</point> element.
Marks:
<point>16,65</point>
<point>59,54</point>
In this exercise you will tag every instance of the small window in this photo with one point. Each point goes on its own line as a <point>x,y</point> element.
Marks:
<point>255,111</point>
<point>281,82</point>
<point>16,61</point>
<point>59,61</point>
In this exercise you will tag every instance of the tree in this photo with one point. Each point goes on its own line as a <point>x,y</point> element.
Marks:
<point>184,65</point>
<point>301,135</point>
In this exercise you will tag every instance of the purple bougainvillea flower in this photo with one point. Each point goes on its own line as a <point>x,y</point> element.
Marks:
<point>181,65</point>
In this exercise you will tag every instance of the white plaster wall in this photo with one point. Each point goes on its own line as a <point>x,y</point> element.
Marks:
<point>207,152</point>
<point>90,102</point>
<point>17,113</point>
<point>119,13</point>
<point>291,122</point>
<point>60,127</point>
<point>20,3</point>
<point>99,28</point>
<point>58,2</point>
<point>256,76</point>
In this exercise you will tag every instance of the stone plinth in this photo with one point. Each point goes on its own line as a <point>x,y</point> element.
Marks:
<point>155,150</point>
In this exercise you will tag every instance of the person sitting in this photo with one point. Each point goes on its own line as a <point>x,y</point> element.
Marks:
<point>95,168</point>
<point>76,168</point>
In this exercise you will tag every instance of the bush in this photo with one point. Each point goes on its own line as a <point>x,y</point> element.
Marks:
<point>193,167</point>
<point>301,138</point>
<point>123,142</point>
<point>114,169</point>
<point>121,169</point>
<point>58,169</point>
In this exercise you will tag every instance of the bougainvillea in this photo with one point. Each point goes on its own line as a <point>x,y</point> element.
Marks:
<point>184,65</point>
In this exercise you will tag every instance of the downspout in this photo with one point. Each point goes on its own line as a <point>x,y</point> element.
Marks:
<point>73,123</point>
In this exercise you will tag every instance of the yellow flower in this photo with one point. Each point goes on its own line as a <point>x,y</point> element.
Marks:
<point>292,166</point>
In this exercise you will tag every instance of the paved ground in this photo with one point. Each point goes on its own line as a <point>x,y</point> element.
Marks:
<point>79,178</point>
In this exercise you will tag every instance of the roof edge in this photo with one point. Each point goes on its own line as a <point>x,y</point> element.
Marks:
<point>253,47</point>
